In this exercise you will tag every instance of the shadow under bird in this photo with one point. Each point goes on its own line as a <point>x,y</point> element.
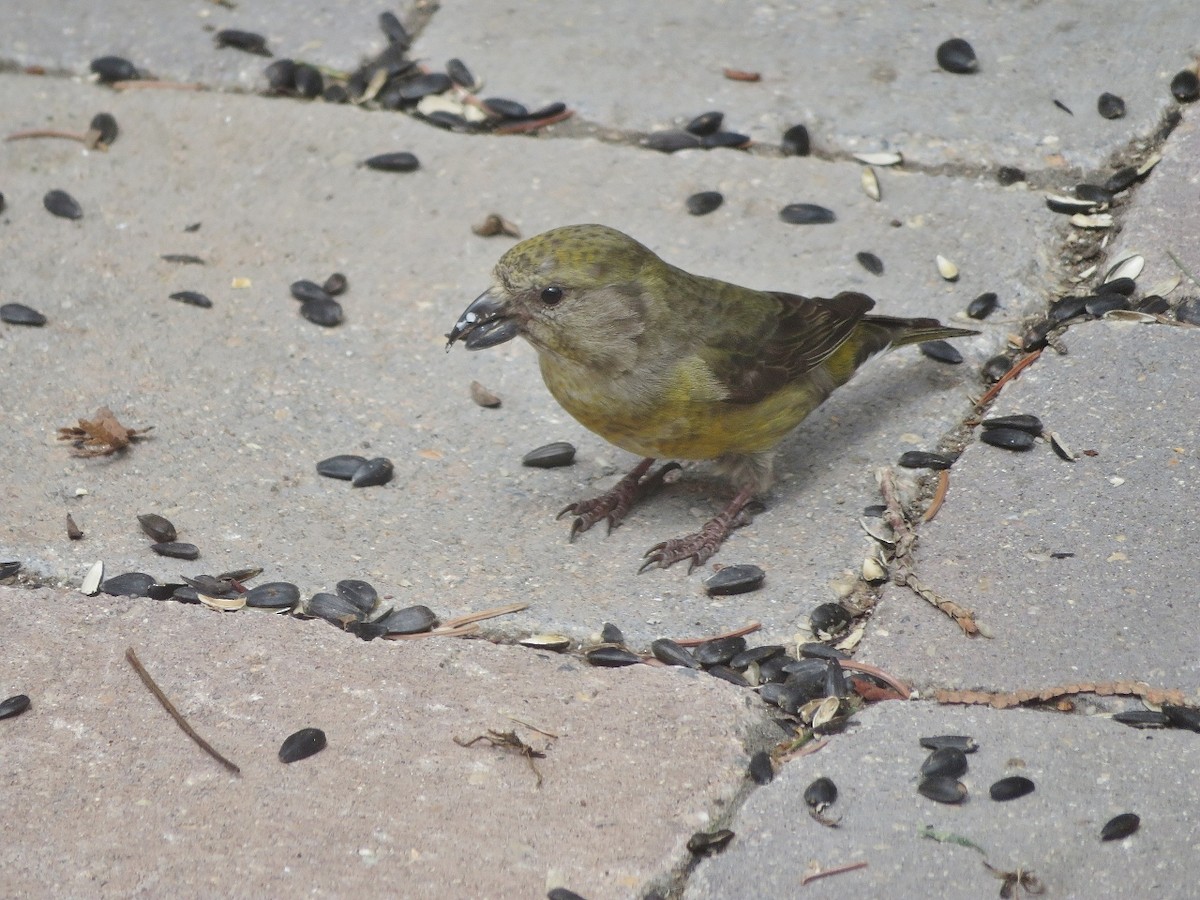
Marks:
<point>666,364</point>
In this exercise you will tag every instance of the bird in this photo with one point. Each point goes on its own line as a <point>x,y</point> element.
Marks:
<point>670,365</point>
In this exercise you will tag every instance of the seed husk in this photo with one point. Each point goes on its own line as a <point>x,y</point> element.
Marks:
<point>334,609</point>
<point>821,794</point>
<point>129,584</point>
<point>673,654</point>
<point>705,124</point>
<point>1063,107</point>
<point>176,549</point>
<point>1094,193</point>
<point>1182,716</point>
<point>1060,203</point>
<point>1125,270</point>
<point>89,586</point>
<point>945,762</point>
<point>495,224</point>
<point>483,397</point>
<point>248,41</point>
<point>1098,220</point>
<point>301,745</point>
<point>943,790</point>
<point>1011,788</point>
<point>14,706</point>
<point>327,313</point>
<point>342,466</point>
<point>611,634</point>
<point>550,456</point>
<point>273,595</point>
<point>1008,175</point>
<point>762,769</point>
<point>1008,438</point>
<point>554,642</point>
<point>870,183</point>
<point>947,269</point>
<point>796,142</point>
<point>1121,826</point>
<point>309,81</point>
<point>156,527</point>
<point>880,158</point>
<point>942,351</point>
<point>737,579</point>
<point>192,298</point>
<point>1185,86</point>
<point>704,202</point>
<point>373,473</point>
<point>829,618</point>
<point>806,214</point>
<point>20,314</point>
<point>982,306</point>
<point>400,161</point>
<point>409,620</point>
<point>110,69</point>
<point>612,657</point>
<point>1110,106</point>
<point>957,56</point>
<point>670,141</point>
<point>335,284</point>
<point>62,204</point>
<point>73,530</point>
<point>1142,718</point>
<point>706,843</point>
<point>719,651</point>
<point>1021,421</point>
<point>870,262</point>
<point>959,741</point>
<point>924,459</point>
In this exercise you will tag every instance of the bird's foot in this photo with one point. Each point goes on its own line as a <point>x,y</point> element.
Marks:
<point>704,543</point>
<point>614,505</point>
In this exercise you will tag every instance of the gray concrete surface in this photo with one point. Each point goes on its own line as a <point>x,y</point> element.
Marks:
<point>246,397</point>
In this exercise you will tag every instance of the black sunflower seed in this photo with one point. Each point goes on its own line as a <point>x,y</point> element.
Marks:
<point>550,109</point>
<point>129,584</point>
<point>673,654</point>
<point>611,634</point>
<point>829,618</point>
<point>1011,788</point>
<point>301,745</point>
<point>393,29</point>
<point>308,81</point>
<point>705,123</point>
<point>1154,305</point>
<point>772,669</point>
<point>670,141</point>
<point>14,706</point>
<point>157,527</point>
<point>1007,175</point>
<point>1185,86</point>
<point>20,314</point>
<point>811,650</point>
<point>550,456</point>
<point>942,351</point>
<point>562,893</point>
<point>1121,826</point>
<point>612,657</point>
<point>63,205</point>
<point>184,259</point>
<point>373,473</point>
<point>9,568</point>
<point>327,313</point>
<point>706,843</point>
<point>1067,308</point>
<point>982,306</point>
<point>1008,438</point>
<point>176,550</point>
<point>104,128</point>
<point>192,298</point>
<point>281,76</point>
<point>725,139</point>
<point>957,56</point>
<point>752,655</point>
<point>958,741</point>
<point>996,367</point>
<point>110,69</point>
<point>505,108</point>
<point>1035,337</point>
<point>333,609</point>
<point>719,651</point>
<point>870,262</point>
<point>835,680</point>
<point>213,587</point>
<point>945,762</point>
<point>308,290</point>
<point>1110,106</point>
<point>806,214</point>
<point>335,93</point>
<point>342,466</point>
<point>734,580</point>
<point>1063,107</point>
<point>725,673</point>
<point>1121,179</point>
<point>703,203</point>
<point>943,790</point>
<point>1125,286</point>
<point>335,284</point>
<point>1021,421</point>
<point>1182,716</point>
<point>2,203</point>
<point>425,85</point>
<point>1105,302</point>
<point>460,74</point>
<point>361,594</point>
<point>185,594</point>
<point>1093,193</point>
<point>248,41</point>
<point>924,459</point>
<point>795,142</point>
<point>409,620</point>
<point>401,161</point>
<point>273,595</point>
<point>762,770</point>
<point>821,794</point>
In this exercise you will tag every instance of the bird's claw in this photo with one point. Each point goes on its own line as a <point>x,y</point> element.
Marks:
<point>697,547</point>
<point>614,505</point>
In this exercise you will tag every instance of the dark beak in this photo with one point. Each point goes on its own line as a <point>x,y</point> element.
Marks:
<point>485,323</point>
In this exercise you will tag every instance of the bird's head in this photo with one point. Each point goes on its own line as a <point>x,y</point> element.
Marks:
<point>578,292</point>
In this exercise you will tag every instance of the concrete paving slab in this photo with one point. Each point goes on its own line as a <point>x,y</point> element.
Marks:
<point>126,805</point>
<point>1085,771</point>
<point>246,398</point>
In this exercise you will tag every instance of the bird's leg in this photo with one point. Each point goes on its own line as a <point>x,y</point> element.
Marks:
<point>616,503</point>
<point>704,543</point>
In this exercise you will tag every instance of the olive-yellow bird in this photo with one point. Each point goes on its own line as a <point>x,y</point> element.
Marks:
<point>664,363</point>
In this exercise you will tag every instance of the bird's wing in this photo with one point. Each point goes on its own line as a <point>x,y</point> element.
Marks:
<point>794,337</point>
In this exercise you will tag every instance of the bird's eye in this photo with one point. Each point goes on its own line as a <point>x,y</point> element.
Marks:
<point>552,295</point>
